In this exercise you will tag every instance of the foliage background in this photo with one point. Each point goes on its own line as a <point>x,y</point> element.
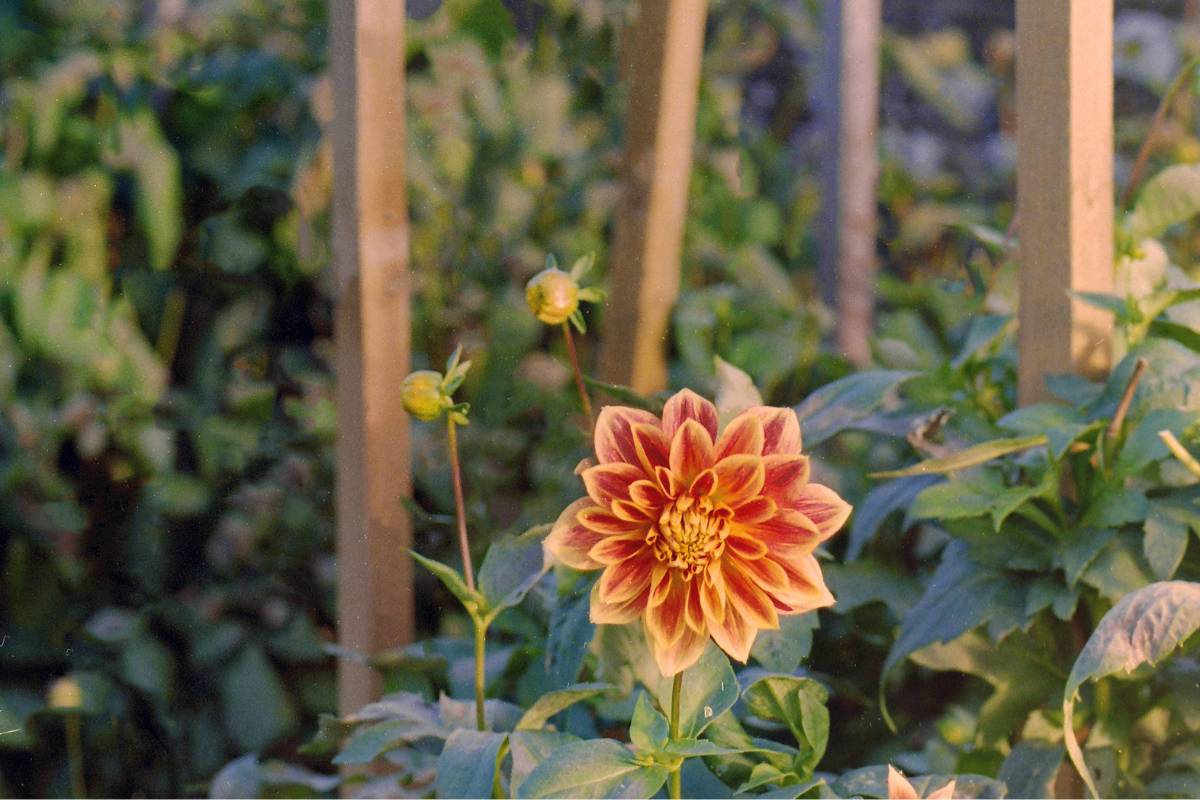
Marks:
<point>165,441</point>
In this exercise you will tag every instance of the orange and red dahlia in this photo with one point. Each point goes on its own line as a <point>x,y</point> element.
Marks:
<point>700,532</point>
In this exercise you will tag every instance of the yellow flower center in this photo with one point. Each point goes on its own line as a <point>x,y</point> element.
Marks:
<point>689,534</point>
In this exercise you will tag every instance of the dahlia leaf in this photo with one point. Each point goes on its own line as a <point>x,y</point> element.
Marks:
<point>709,689</point>
<point>472,601</point>
<point>513,565</point>
<point>649,729</point>
<point>469,762</point>
<point>593,768</point>
<point>551,703</point>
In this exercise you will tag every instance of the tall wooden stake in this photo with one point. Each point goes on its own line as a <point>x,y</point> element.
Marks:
<point>370,245</point>
<point>849,222</point>
<point>1064,187</point>
<point>660,58</point>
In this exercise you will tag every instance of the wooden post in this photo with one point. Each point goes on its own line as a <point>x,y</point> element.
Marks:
<point>849,222</point>
<point>370,247</point>
<point>660,54</point>
<point>1064,187</point>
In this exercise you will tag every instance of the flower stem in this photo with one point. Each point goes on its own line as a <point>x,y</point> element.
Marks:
<point>579,384</point>
<point>460,507</point>
<point>480,644</point>
<point>1160,115</point>
<point>75,755</point>
<point>675,781</point>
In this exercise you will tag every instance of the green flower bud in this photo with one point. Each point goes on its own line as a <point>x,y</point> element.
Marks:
<point>553,296</point>
<point>422,395</point>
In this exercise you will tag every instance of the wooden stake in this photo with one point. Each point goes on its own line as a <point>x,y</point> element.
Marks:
<point>1064,187</point>
<point>849,221</point>
<point>660,54</point>
<point>370,245</point>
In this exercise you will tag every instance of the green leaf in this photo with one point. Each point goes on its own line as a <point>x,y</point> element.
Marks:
<point>799,703</point>
<point>693,748</point>
<point>530,748</point>
<point>783,649</point>
<point>1062,425</point>
<point>840,405</point>
<point>468,764</point>
<point>1166,538</point>
<point>649,729</point>
<point>959,597</point>
<point>147,664</point>
<point>986,331</point>
<point>592,769</point>
<point>1144,627</point>
<point>624,394</point>
<point>1119,568</point>
<point>1031,768</point>
<point>872,782</point>
<point>257,708</point>
<point>1170,197</point>
<point>1024,673</point>
<point>145,151</point>
<point>512,566</point>
<point>709,689</point>
<point>970,457</point>
<point>1143,446</point>
<point>880,503</point>
<point>473,602</point>
<point>571,632</point>
<point>1116,507</point>
<point>551,703</point>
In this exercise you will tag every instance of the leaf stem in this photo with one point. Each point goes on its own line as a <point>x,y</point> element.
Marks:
<point>675,781</point>
<point>1180,452</point>
<point>480,644</point>
<point>1114,427</point>
<point>460,506</point>
<point>1143,156</point>
<point>579,384</point>
<point>75,755</point>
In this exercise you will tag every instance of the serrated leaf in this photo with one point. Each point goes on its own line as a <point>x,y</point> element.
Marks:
<point>551,703</point>
<point>468,763</point>
<point>970,457</point>
<point>879,504</point>
<point>838,406</point>
<point>1144,627</point>
<point>592,769</point>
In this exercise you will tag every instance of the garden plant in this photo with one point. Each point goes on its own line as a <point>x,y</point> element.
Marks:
<point>783,577</point>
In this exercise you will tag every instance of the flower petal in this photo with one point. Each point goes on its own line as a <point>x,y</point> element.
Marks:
<point>898,787</point>
<point>824,507</point>
<point>691,451</point>
<point>602,612</point>
<point>628,510</point>
<point>944,793</point>
<point>647,494</point>
<point>739,478</point>
<point>609,482</point>
<point>756,509</point>
<point>628,579</point>
<point>781,429</point>
<point>686,405</point>
<point>660,585</point>
<point>785,477</point>
<point>743,593</point>
<point>712,595</point>
<point>570,541</point>
<point>665,621</point>
<point>746,546</point>
<point>615,549</point>
<point>675,658</point>
<point>806,589</point>
<point>614,433</point>
<point>668,482</point>
<point>788,534</point>
<point>733,634</point>
<point>742,436</point>
<point>602,521</point>
<point>651,446</point>
<point>693,612</point>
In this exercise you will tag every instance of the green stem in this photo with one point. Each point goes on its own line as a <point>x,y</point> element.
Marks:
<point>480,644</point>
<point>1160,115</point>
<point>460,506</point>
<point>675,781</point>
<point>75,755</point>
<point>579,383</point>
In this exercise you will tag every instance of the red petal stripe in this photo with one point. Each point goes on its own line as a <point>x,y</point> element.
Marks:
<point>687,405</point>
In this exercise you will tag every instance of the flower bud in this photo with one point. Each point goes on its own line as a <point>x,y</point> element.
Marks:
<point>65,693</point>
<point>552,295</point>
<point>422,395</point>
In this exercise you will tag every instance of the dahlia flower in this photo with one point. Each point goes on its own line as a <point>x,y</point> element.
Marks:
<point>899,788</point>
<point>699,532</point>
